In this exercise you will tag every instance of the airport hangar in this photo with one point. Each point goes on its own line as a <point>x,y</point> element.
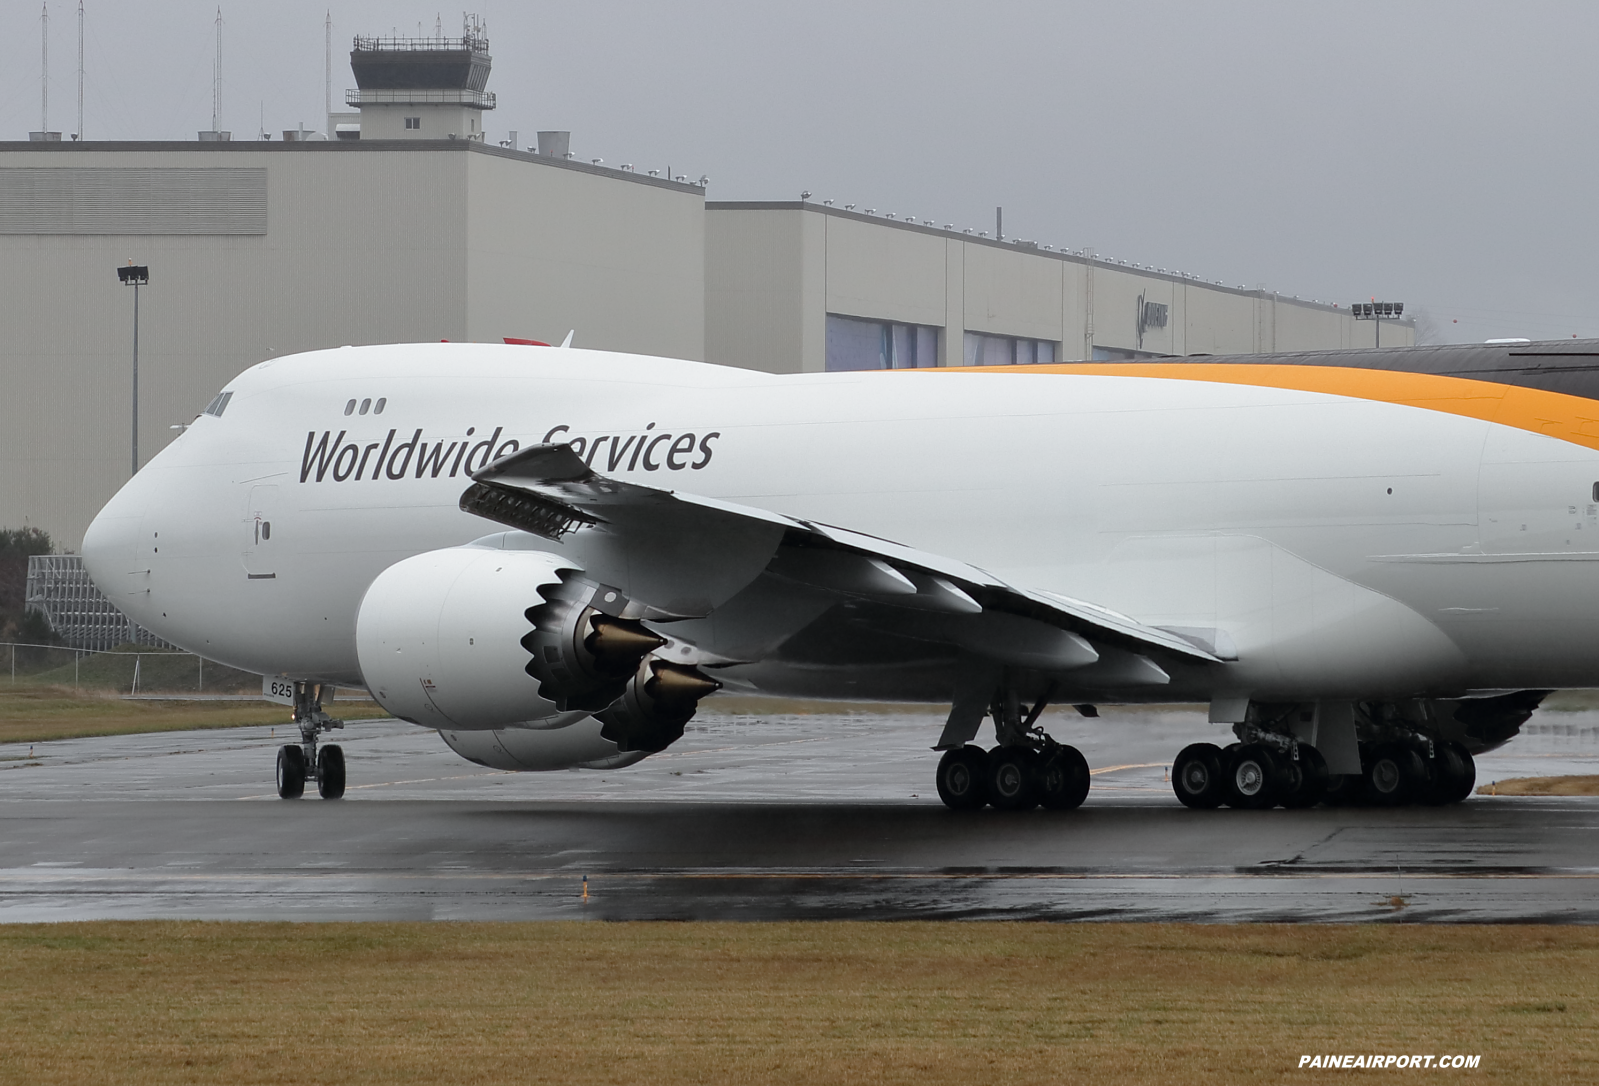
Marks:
<point>262,248</point>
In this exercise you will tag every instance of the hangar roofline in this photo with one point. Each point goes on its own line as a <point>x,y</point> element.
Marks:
<point>1031,249</point>
<point>330,147</point>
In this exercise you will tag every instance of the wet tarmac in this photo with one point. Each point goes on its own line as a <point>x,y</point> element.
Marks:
<point>762,817</point>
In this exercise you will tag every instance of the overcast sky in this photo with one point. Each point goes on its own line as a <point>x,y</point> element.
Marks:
<point>1441,154</point>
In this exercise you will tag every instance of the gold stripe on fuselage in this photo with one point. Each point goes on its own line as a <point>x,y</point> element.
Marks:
<point>1569,418</point>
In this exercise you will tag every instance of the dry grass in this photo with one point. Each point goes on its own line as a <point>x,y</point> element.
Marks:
<point>1541,786</point>
<point>786,1003</point>
<point>31,713</point>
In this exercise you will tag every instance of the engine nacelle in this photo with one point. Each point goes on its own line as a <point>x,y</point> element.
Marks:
<point>439,636</point>
<point>580,746</point>
<point>580,648</point>
<point>659,700</point>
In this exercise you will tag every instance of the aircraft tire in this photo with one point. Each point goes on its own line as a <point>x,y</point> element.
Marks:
<point>1254,778</point>
<point>1344,789</point>
<point>1444,772</point>
<point>1312,783</point>
<point>330,772</point>
<point>1466,781</point>
<point>960,778</point>
<point>1396,775</point>
<point>1012,779</point>
<point>1197,777</point>
<point>1063,780</point>
<point>291,772</point>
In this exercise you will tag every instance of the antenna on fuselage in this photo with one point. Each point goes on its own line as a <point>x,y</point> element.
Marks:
<point>567,342</point>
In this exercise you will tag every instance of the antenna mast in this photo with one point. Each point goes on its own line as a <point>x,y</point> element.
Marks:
<point>216,75</point>
<point>44,80</point>
<point>80,70</point>
<point>327,85</point>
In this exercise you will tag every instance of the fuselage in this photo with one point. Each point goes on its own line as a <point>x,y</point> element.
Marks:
<point>1385,539</point>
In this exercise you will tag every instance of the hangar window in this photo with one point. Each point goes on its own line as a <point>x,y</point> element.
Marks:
<point>413,122</point>
<point>986,350</point>
<point>219,404</point>
<point>856,344</point>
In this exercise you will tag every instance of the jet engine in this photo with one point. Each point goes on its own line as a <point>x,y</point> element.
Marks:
<point>498,649</point>
<point>439,637</point>
<point>583,652</point>
<point>657,702</point>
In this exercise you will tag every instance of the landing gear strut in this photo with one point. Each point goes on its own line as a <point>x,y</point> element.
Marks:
<point>1026,769</point>
<point>298,764</point>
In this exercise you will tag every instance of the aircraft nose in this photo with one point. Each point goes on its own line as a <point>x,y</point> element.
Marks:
<point>109,545</point>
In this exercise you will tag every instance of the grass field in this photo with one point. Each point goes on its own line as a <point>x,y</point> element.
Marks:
<point>1541,786</point>
<point>158,671</point>
<point>960,1003</point>
<point>34,713</point>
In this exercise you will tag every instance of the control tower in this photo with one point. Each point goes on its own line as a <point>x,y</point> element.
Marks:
<point>422,88</point>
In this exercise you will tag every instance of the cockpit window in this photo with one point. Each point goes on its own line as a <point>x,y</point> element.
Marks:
<point>218,405</point>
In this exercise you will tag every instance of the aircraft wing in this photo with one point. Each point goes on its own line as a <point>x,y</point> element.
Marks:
<point>683,557</point>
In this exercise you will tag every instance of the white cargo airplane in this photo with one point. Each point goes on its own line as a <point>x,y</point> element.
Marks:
<point>1371,563</point>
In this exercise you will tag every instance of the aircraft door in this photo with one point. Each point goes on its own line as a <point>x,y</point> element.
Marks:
<point>259,529</point>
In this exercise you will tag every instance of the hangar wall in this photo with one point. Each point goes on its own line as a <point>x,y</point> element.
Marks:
<point>775,272</point>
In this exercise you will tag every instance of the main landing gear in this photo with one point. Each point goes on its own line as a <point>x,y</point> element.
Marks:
<point>298,764</point>
<point>1026,769</point>
<point>1267,770</point>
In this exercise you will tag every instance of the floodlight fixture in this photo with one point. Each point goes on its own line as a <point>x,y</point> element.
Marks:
<point>135,276</point>
<point>1379,312</point>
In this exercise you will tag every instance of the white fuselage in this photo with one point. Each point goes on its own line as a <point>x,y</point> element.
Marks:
<point>1336,546</point>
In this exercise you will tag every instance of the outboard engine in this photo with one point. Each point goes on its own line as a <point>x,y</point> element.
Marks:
<point>658,701</point>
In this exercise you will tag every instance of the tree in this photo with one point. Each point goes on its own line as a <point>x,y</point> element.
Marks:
<point>17,545</point>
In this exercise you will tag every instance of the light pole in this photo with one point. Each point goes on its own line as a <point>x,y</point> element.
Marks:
<point>135,276</point>
<point>1376,311</point>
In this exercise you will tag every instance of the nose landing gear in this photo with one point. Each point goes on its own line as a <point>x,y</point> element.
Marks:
<point>298,764</point>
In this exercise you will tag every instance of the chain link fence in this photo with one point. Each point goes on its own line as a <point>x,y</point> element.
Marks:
<point>127,669</point>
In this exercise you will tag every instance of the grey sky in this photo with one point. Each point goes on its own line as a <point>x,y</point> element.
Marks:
<point>1440,154</point>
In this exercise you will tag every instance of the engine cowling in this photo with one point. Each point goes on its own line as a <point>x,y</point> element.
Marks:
<point>501,649</point>
<point>580,649</point>
<point>439,637</point>
<point>659,700</point>
<point>580,746</point>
